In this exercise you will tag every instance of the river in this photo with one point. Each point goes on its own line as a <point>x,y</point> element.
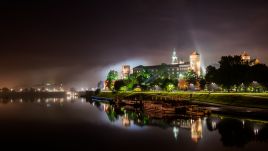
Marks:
<point>76,124</point>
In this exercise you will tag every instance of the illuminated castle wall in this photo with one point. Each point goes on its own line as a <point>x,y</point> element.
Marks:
<point>245,56</point>
<point>195,63</point>
<point>176,68</point>
<point>247,59</point>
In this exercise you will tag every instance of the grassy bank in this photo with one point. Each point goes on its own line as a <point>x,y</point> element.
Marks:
<point>258,100</point>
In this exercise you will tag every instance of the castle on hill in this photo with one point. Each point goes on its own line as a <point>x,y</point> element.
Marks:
<point>177,67</point>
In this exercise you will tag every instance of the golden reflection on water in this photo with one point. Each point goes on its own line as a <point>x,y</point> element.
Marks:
<point>126,121</point>
<point>130,118</point>
<point>196,130</point>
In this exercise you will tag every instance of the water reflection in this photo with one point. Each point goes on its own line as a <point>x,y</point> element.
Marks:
<point>128,116</point>
<point>46,101</point>
<point>196,130</point>
<point>238,133</point>
<point>233,132</point>
<point>179,129</point>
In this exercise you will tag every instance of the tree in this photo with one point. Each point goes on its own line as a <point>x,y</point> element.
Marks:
<point>166,84</point>
<point>131,82</point>
<point>235,73</point>
<point>170,87</point>
<point>118,84</point>
<point>191,77</point>
<point>5,90</point>
<point>226,71</point>
<point>183,85</point>
<point>163,71</point>
<point>259,73</point>
<point>143,78</point>
<point>111,77</point>
<point>202,83</point>
<point>211,74</point>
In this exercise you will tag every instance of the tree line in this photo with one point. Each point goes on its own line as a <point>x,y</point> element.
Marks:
<point>236,74</point>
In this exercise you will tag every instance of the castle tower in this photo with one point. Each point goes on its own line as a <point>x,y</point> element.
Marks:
<point>257,61</point>
<point>174,57</point>
<point>195,63</point>
<point>125,71</point>
<point>245,57</point>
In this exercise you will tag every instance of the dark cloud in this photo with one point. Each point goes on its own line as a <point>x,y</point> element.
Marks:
<point>72,42</point>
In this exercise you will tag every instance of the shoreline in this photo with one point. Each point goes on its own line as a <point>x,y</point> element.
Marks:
<point>247,106</point>
<point>249,100</point>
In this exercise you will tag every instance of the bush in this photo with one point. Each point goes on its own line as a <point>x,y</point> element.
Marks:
<point>123,88</point>
<point>138,89</point>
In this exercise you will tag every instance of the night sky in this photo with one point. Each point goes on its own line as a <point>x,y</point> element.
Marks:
<point>75,43</point>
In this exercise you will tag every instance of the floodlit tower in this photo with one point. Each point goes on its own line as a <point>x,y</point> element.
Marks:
<point>245,57</point>
<point>257,61</point>
<point>195,63</point>
<point>174,57</point>
<point>125,71</point>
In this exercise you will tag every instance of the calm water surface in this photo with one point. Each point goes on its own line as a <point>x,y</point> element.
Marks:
<point>75,124</point>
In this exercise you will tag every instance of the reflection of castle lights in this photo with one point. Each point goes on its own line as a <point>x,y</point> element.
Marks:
<point>214,125</point>
<point>125,120</point>
<point>105,107</point>
<point>256,131</point>
<point>196,130</point>
<point>82,100</point>
<point>176,132</point>
<point>71,95</point>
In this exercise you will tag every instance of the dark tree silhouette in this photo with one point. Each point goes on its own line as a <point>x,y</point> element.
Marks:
<point>234,72</point>
<point>118,84</point>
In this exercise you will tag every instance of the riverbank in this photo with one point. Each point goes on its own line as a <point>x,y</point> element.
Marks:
<point>250,100</point>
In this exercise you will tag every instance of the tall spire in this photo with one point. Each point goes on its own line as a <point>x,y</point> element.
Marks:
<point>174,57</point>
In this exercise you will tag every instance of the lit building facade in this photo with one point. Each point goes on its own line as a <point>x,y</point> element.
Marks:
<point>176,68</point>
<point>173,70</point>
<point>247,59</point>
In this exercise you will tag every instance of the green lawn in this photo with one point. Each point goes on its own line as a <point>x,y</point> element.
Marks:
<point>259,100</point>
